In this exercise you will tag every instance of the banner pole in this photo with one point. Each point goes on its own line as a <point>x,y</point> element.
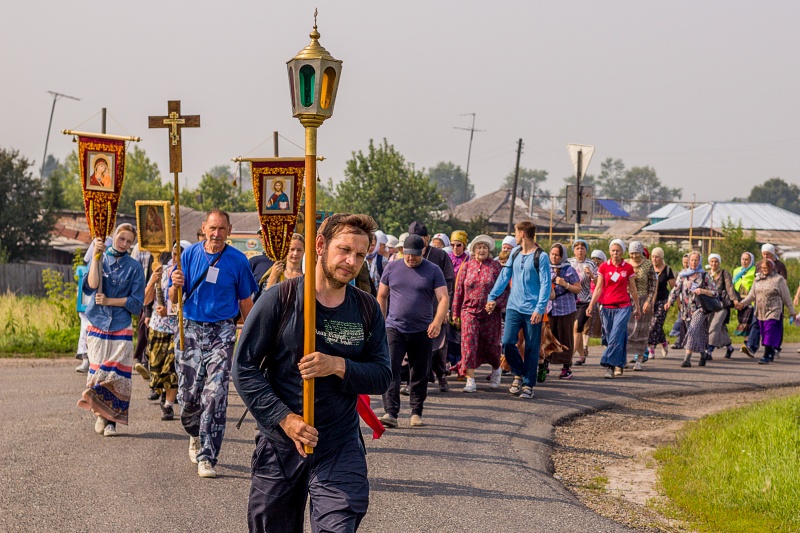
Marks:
<point>309,281</point>
<point>178,262</point>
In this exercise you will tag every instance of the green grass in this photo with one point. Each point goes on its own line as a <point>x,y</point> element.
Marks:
<point>36,327</point>
<point>737,471</point>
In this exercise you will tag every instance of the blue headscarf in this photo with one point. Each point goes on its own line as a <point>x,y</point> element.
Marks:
<point>739,275</point>
<point>688,271</point>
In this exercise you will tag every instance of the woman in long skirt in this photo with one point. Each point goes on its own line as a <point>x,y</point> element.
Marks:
<point>693,282</point>
<point>480,331</point>
<point>770,294</point>
<point>567,285</point>
<point>646,285</point>
<point>110,337</point>
<point>718,328</point>
<point>666,281</point>
<point>615,290</point>
<point>743,277</point>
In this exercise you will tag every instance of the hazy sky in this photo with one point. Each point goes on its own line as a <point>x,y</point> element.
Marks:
<point>708,93</point>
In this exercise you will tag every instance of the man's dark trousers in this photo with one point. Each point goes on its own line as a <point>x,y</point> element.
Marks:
<point>282,481</point>
<point>418,347</point>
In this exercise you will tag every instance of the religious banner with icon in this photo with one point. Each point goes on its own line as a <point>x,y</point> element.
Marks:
<point>277,188</point>
<point>154,225</point>
<point>101,159</point>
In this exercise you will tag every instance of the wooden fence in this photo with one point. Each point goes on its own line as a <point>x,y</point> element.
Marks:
<point>26,278</point>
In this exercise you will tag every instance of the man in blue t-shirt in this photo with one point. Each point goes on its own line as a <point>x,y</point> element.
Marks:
<point>217,285</point>
<point>407,290</point>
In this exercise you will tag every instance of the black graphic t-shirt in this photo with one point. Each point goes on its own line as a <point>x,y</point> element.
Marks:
<point>340,332</point>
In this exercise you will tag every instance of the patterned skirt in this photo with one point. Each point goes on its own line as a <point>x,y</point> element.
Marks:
<point>656,335</point>
<point>161,355</point>
<point>639,331</point>
<point>108,385</point>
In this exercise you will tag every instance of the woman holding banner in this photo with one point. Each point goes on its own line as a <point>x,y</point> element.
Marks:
<point>115,296</point>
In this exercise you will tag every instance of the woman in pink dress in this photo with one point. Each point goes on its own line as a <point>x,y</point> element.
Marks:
<point>480,331</point>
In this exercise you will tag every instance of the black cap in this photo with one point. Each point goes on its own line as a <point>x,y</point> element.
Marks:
<point>413,245</point>
<point>417,228</point>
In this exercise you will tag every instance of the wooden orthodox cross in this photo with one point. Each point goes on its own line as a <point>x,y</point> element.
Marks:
<point>175,122</point>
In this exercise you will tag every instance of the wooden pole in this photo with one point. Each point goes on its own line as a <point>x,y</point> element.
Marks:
<point>178,262</point>
<point>552,208</point>
<point>309,280</point>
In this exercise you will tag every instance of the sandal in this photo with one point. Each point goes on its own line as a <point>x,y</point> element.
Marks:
<point>516,386</point>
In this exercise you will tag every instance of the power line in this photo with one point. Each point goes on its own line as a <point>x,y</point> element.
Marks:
<point>56,96</point>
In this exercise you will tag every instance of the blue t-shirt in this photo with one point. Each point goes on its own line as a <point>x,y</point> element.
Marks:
<point>215,302</point>
<point>411,291</point>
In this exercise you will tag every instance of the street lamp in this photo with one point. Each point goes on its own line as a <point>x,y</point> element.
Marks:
<point>313,81</point>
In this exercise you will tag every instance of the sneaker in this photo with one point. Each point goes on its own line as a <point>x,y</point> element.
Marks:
<point>470,386</point>
<point>764,360</point>
<point>664,350</point>
<point>153,396</point>
<point>83,368</point>
<point>609,373</point>
<point>388,421</point>
<point>443,387</point>
<point>404,390</point>
<point>204,469</point>
<point>745,350</point>
<point>416,421</point>
<point>580,360</point>
<point>618,371</point>
<point>729,352</point>
<point>167,413</point>
<point>516,386</point>
<point>139,367</point>
<point>527,393</point>
<point>495,378</point>
<point>541,374</point>
<point>645,357</point>
<point>194,448</point>
<point>100,425</point>
<point>566,373</point>
<point>637,365</point>
<point>110,430</point>
<point>634,360</point>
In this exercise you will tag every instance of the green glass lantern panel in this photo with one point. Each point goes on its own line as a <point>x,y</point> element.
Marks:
<point>328,83</point>
<point>307,75</point>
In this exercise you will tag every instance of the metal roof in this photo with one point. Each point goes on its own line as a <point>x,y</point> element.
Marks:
<point>666,211</point>
<point>750,215</point>
<point>614,209</point>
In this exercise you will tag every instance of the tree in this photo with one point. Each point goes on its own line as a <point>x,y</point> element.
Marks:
<point>142,181</point>
<point>63,185</point>
<point>612,180</point>
<point>382,184</point>
<point>589,180</point>
<point>530,180</point>
<point>25,222</point>
<point>448,224</point>
<point>453,184</point>
<point>216,190</point>
<point>649,189</point>
<point>326,196</point>
<point>735,242</point>
<point>777,192</point>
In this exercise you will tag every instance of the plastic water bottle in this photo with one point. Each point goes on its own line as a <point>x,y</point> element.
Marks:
<point>791,320</point>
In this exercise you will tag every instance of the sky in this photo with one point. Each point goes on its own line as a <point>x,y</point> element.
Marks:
<point>704,92</point>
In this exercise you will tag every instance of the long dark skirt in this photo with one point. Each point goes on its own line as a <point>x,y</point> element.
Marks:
<point>657,335</point>
<point>561,326</point>
<point>697,332</point>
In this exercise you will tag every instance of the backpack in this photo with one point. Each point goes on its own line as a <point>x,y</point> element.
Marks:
<point>287,295</point>
<point>536,255</point>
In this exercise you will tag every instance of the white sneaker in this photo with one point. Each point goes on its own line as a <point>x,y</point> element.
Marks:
<point>664,351</point>
<point>637,365</point>
<point>470,386</point>
<point>204,469</point>
<point>416,421</point>
<point>100,425</point>
<point>110,430</point>
<point>494,382</point>
<point>194,449</point>
<point>83,367</point>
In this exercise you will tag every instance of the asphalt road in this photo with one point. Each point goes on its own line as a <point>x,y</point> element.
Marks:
<point>481,462</point>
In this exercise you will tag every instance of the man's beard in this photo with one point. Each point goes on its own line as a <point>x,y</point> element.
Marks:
<point>328,273</point>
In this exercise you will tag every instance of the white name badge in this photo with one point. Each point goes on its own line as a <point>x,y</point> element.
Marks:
<point>211,277</point>
<point>615,276</point>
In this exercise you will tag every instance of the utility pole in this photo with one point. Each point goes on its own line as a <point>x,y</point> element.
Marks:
<point>103,114</point>
<point>514,190</point>
<point>471,131</point>
<point>56,96</point>
<point>275,143</point>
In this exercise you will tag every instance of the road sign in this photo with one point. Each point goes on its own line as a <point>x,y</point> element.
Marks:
<point>587,204</point>
<point>586,155</point>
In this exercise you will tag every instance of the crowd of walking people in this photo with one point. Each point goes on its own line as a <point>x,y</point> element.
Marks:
<point>429,308</point>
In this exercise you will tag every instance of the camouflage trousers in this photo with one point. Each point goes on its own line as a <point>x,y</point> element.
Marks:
<point>204,371</point>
